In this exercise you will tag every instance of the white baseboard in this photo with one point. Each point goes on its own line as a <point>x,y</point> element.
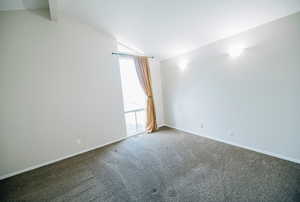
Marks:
<point>68,156</point>
<point>161,125</point>
<point>237,145</point>
<point>59,159</point>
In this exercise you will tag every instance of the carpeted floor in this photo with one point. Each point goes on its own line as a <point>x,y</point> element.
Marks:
<point>165,166</point>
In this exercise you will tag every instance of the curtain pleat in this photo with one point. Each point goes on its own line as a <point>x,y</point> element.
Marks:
<point>143,73</point>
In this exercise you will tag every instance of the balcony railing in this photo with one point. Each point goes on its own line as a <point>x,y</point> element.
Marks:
<point>135,121</point>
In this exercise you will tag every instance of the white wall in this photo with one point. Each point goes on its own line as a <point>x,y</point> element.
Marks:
<point>252,101</point>
<point>58,83</point>
<point>23,4</point>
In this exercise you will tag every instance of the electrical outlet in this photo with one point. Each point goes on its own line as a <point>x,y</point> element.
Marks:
<point>78,141</point>
<point>201,125</point>
<point>231,133</point>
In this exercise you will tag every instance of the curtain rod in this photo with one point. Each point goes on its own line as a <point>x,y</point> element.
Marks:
<point>125,54</point>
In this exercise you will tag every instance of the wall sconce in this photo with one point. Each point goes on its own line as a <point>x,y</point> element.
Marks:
<point>236,51</point>
<point>183,64</point>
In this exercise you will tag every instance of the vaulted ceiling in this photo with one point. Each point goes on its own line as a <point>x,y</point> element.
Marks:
<point>165,28</point>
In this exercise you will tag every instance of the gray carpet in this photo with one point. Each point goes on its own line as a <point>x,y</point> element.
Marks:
<point>165,166</point>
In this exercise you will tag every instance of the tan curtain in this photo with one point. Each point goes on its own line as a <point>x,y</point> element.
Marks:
<point>143,72</point>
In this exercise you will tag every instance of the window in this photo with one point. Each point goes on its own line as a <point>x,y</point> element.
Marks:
<point>133,96</point>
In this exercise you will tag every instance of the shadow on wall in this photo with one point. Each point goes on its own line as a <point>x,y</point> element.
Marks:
<point>35,7</point>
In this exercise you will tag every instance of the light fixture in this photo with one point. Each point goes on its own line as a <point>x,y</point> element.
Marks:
<point>183,64</point>
<point>236,51</point>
